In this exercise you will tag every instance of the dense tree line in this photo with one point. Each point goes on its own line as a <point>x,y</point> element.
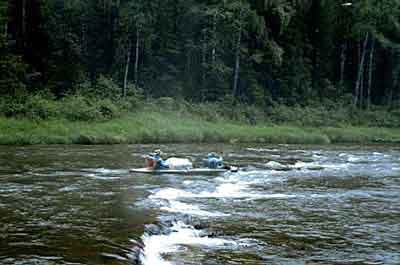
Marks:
<point>252,51</point>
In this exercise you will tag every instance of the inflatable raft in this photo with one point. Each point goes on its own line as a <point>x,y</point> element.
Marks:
<point>192,171</point>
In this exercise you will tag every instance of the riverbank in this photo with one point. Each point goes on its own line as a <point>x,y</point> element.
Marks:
<point>180,127</point>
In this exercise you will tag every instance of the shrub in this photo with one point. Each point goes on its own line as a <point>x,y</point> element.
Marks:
<point>208,111</point>
<point>134,91</point>
<point>166,103</point>
<point>107,109</point>
<point>77,108</point>
<point>107,88</point>
<point>40,107</point>
<point>10,108</point>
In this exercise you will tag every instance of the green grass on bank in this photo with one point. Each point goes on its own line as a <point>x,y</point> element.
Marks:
<point>175,126</point>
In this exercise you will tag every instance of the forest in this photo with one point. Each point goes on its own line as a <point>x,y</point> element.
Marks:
<point>279,57</point>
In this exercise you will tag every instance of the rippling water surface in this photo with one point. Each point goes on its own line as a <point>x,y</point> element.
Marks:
<point>287,205</point>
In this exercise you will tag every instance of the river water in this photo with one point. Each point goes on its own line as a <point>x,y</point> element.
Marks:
<point>287,205</point>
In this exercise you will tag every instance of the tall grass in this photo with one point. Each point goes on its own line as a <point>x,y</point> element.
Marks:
<point>154,126</point>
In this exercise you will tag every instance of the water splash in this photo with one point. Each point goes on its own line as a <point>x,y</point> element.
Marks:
<point>182,235</point>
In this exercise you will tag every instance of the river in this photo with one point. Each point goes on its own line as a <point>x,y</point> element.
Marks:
<point>288,204</point>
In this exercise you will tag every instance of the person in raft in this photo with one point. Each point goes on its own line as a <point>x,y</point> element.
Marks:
<point>213,161</point>
<point>155,161</point>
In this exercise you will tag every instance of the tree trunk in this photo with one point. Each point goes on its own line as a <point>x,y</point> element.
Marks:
<point>188,72</point>
<point>213,52</point>
<point>6,29</point>
<point>395,76</point>
<point>137,55</point>
<point>360,71</point>
<point>203,67</point>
<point>393,92</point>
<point>83,37</point>
<point>23,25</point>
<point>128,60</point>
<point>370,69</point>
<point>342,63</point>
<point>390,97</point>
<point>237,57</point>
<point>361,89</point>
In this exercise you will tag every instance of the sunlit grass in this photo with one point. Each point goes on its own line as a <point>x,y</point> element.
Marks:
<point>176,127</point>
<point>361,135</point>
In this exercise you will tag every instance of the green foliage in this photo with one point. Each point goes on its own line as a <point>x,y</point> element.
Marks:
<point>107,109</point>
<point>290,52</point>
<point>106,88</point>
<point>284,12</point>
<point>274,52</point>
<point>77,108</point>
<point>34,107</point>
<point>39,107</point>
<point>12,68</point>
<point>332,114</point>
<point>135,94</point>
<point>73,108</point>
<point>12,107</point>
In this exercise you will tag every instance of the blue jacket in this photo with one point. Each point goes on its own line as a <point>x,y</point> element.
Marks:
<point>213,162</point>
<point>160,163</point>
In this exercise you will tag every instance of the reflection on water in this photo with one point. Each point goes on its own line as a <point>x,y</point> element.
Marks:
<point>288,205</point>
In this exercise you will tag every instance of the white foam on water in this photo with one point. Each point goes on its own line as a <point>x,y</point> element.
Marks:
<point>172,194</point>
<point>236,190</point>
<point>180,207</point>
<point>230,186</point>
<point>56,174</point>
<point>102,177</point>
<point>262,150</point>
<point>317,156</point>
<point>106,171</point>
<point>225,190</point>
<point>157,245</point>
<point>69,188</point>
<point>301,164</point>
<point>352,158</point>
<point>300,151</point>
<point>324,165</point>
<point>113,256</point>
<point>274,164</point>
<point>188,182</point>
<point>338,166</point>
<point>256,176</point>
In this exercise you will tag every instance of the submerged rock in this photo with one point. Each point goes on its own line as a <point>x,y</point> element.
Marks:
<point>276,166</point>
<point>152,229</point>
<point>315,168</point>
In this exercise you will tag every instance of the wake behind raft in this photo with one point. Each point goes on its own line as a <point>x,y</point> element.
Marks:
<point>213,164</point>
